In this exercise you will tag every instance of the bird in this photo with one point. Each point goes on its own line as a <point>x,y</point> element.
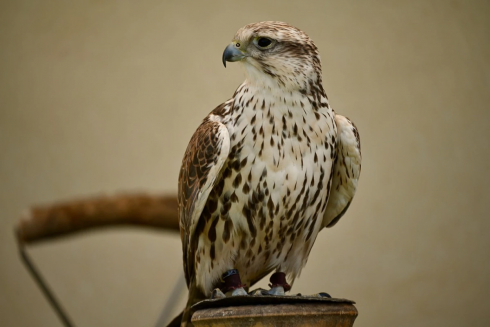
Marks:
<point>265,171</point>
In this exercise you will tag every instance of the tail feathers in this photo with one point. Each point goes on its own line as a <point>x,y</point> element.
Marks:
<point>176,321</point>
<point>195,295</point>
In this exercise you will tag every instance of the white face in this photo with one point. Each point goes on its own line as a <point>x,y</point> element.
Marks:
<point>278,55</point>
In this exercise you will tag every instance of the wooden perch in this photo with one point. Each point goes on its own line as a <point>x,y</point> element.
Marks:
<point>48,221</point>
<point>274,311</point>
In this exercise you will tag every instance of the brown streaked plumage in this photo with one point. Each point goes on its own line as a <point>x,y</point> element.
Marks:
<point>266,170</point>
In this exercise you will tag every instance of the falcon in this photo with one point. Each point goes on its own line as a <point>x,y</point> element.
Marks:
<point>266,170</point>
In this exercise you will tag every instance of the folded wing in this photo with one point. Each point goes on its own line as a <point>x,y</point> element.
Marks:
<point>347,169</point>
<point>203,160</point>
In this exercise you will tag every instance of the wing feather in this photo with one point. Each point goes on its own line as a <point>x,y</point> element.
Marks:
<point>347,169</point>
<point>205,155</point>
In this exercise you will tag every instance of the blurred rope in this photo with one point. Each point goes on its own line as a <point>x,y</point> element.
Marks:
<point>45,289</point>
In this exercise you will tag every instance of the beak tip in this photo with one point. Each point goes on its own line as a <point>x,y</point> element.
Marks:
<point>224,60</point>
<point>232,54</point>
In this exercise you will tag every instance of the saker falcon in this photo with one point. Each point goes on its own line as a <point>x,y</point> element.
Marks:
<point>266,170</point>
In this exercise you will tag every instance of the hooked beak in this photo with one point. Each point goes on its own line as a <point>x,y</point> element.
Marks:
<point>232,53</point>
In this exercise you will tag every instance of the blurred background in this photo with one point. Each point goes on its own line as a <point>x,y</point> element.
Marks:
<point>103,96</point>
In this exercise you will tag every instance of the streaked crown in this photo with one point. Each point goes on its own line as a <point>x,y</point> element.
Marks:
<point>277,54</point>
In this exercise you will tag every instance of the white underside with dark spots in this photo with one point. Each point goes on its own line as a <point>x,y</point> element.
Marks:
<point>290,161</point>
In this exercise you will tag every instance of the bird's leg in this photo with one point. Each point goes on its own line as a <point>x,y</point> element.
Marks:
<point>278,284</point>
<point>232,283</point>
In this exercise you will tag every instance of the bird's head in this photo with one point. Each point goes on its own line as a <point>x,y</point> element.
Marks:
<point>275,54</point>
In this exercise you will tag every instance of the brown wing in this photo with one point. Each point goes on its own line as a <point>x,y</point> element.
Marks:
<point>205,155</point>
<point>347,169</point>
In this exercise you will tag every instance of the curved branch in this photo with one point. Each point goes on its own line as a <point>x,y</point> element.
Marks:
<point>48,221</point>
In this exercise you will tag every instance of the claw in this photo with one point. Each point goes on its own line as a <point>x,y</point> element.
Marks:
<point>232,284</point>
<point>276,290</point>
<point>257,292</point>
<point>278,284</point>
<point>217,294</point>
<point>238,291</point>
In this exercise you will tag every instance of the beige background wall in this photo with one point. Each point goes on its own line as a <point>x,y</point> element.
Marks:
<point>103,96</point>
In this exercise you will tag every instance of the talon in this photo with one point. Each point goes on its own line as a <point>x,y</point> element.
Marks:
<point>279,279</point>
<point>232,282</point>
<point>257,292</point>
<point>321,294</point>
<point>277,290</point>
<point>239,291</point>
<point>217,294</point>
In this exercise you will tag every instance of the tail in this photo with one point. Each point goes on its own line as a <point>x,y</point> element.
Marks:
<point>184,319</point>
<point>176,321</point>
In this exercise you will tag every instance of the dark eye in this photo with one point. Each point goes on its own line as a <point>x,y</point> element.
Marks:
<point>264,42</point>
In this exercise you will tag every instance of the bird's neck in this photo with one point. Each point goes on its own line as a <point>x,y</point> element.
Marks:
<point>252,97</point>
<point>269,90</point>
<point>282,78</point>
